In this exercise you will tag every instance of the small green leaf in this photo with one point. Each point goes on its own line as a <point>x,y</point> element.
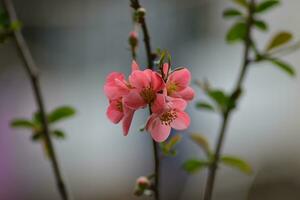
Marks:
<point>284,66</point>
<point>238,163</point>
<point>59,134</point>
<point>218,96</point>
<point>61,113</point>
<point>266,5</point>
<point>37,118</point>
<point>168,146</point>
<point>22,123</point>
<point>16,25</point>
<point>36,136</point>
<point>261,25</point>
<point>231,12</point>
<point>237,32</point>
<point>202,141</point>
<point>173,141</point>
<point>242,3</point>
<point>279,39</point>
<point>204,106</point>
<point>193,165</point>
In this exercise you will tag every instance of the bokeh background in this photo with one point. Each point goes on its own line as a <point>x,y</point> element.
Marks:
<point>76,43</point>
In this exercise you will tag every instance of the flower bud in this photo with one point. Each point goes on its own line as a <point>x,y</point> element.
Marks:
<point>141,12</point>
<point>133,39</point>
<point>143,186</point>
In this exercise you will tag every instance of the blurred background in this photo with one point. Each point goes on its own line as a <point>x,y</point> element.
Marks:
<point>76,43</point>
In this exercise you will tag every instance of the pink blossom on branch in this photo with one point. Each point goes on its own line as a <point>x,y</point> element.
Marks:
<point>178,84</point>
<point>115,88</point>
<point>167,113</point>
<point>167,95</point>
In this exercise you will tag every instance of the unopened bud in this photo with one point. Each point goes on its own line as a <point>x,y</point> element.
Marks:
<point>141,12</point>
<point>133,39</point>
<point>143,182</point>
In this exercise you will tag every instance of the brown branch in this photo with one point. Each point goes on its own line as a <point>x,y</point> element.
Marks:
<point>32,72</point>
<point>226,115</point>
<point>135,4</point>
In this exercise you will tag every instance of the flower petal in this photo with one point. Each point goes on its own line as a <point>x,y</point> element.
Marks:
<point>182,121</point>
<point>115,86</point>
<point>134,100</point>
<point>157,83</point>
<point>159,104</point>
<point>110,79</point>
<point>127,120</point>
<point>187,94</point>
<point>134,65</point>
<point>139,79</point>
<point>181,78</point>
<point>166,68</point>
<point>177,103</point>
<point>113,113</point>
<point>159,132</point>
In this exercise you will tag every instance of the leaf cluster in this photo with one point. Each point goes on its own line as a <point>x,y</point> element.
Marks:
<point>195,165</point>
<point>249,16</point>
<point>36,126</point>
<point>6,27</point>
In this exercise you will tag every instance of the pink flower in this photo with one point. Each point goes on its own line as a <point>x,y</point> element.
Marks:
<point>178,84</point>
<point>167,115</point>
<point>117,111</point>
<point>145,86</point>
<point>115,88</point>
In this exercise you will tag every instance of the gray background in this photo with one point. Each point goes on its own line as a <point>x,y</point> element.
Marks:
<point>77,43</point>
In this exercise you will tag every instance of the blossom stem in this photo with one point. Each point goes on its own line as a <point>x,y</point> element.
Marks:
<point>135,4</point>
<point>32,72</point>
<point>227,113</point>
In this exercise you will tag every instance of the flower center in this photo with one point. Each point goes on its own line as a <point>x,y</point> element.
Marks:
<point>120,106</point>
<point>148,95</point>
<point>171,88</point>
<point>168,117</point>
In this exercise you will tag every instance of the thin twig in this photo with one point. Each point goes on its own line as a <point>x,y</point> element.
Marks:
<point>226,115</point>
<point>135,4</point>
<point>32,72</point>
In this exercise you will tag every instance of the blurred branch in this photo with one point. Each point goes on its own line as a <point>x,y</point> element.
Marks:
<point>226,115</point>
<point>32,72</point>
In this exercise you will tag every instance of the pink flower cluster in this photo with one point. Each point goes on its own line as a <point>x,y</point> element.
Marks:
<point>167,95</point>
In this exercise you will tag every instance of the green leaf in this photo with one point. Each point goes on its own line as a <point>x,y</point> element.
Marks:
<point>231,12</point>
<point>279,39</point>
<point>193,165</point>
<point>61,113</point>
<point>202,141</point>
<point>237,32</point>
<point>36,136</point>
<point>238,163</point>
<point>284,67</point>
<point>59,134</point>
<point>266,5</point>
<point>167,147</point>
<point>37,118</point>
<point>261,25</point>
<point>219,97</point>
<point>22,123</point>
<point>242,3</point>
<point>204,106</point>
<point>16,25</point>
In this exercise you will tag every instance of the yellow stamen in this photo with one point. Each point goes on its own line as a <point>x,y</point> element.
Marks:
<point>148,95</point>
<point>168,117</point>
